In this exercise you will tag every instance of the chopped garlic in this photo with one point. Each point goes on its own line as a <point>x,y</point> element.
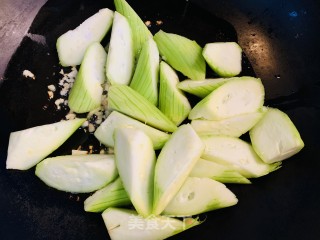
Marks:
<point>61,82</point>
<point>93,112</point>
<point>104,101</point>
<point>52,88</point>
<point>70,80</point>
<point>70,116</point>
<point>85,124</point>
<point>159,22</point>
<point>78,152</point>
<point>64,92</point>
<point>99,114</point>
<point>58,102</point>
<point>90,149</point>
<point>27,73</point>
<point>73,73</point>
<point>91,128</point>
<point>147,23</point>
<point>98,121</point>
<point>50,94</point>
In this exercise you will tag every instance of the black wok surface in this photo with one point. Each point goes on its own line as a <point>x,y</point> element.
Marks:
<point>281,46</point>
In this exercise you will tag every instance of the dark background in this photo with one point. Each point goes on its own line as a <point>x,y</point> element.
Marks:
<point>281,46</point>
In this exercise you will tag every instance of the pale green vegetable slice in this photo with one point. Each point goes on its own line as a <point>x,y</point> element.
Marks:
<point>175,162</point>
<point>146,76</point>
<point>199,195</point>
<point>236,97</point>
<point>218,172</point>
<point>224,58</point>
<point>135,159</point>
<point>71,46</point>
<point>140,31</point>
<point>172,101</point>
<point>104,133</point>
<point>127,224</point>
<point>120,60</point>
<point>275,137</point>
<point>233,126</point>
<point>127,101</point>
<point>113,195</point>
<point>29,146</point>
<point>78,173</point>
<point>182,54</point>
<point>86,92</point>
<point>236,154</point>
<point>202,88</point>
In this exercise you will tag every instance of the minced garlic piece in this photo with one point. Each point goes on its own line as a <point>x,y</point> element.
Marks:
<point>90,149</point>
<point>78,152</point>
<point>58,102</point>
<point>50,94</point>
<point>70,116</point>
<point>159,22</point>
<point>64,92</point>
<point>91,128</point>
<point>85,124</point>
<point>99,121</point>
<point>73,73</point>
<point>27,73</point>
<point>52,88</point>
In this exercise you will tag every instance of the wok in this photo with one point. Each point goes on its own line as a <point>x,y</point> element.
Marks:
<point>280,40</point>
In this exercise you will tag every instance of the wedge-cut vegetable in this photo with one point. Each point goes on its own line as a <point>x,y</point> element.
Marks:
<point>120,60</point>
<point>236,154</point>
<point>78,173</point>
<point>126,100</point>
<point>275,137</point>
<point>29,146</point>
<point>140,31</point>
<point>86,92</point>
<point>233,126</point>
<point>127,224</point>
<point>71,46</point>
<point>202,88</point>
<point>172,101</point>
<point>104,133</point>
<point>218,172</point>
<point>236,97</point>
<point>175,162</point>
<point>146,76</point>
<point>182,54</point>
<point>135,159</point>
<point>113,195</point>
<point>199,195</point>
<point>224,58</point>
